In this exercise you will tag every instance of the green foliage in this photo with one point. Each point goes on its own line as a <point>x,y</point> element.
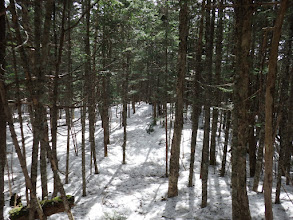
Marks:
<point>19,211</point>
<point>150,128</point>
<point>114,216</point>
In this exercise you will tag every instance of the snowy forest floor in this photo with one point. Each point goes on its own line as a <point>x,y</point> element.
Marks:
<point>138,189</point>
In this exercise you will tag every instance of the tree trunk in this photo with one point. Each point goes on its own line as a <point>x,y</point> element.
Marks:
<point>269,110</point>
<point>165,106</point>
<point>90,78</point>
<point>83,114</point>
<point>259,161</point>
<point>252,147</point>
<point>105,93</point>
<point>289,103</point>
<point>2,113</point>
<point>289,149</point>
<point>21,159</point>
<point>124,105</point>
<point>19,105</point>
<point>215,116</point>
<point>240,203</point>
<point>196,105</point>
<point>178,125</point>
<point>228,122</point>
<point>209,35</point>
<point>284,121</point>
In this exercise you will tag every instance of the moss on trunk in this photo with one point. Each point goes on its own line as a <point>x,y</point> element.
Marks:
<point>49,207</point>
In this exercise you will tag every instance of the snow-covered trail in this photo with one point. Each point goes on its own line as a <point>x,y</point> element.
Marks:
<point>137,190</point>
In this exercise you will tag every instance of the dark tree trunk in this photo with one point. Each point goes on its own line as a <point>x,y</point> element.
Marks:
<point>240,203</point>
<point>288,104</point>
<point>83,114</point>
<point>209,35</point>
<point>124,104</point>
<point>178,124</point>
<point>227,131</point>
<point>284,121</point>
<point>2,113</point>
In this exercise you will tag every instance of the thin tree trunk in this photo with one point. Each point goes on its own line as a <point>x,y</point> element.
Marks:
<point>166,75</point>
<point>227,131</point>
<point>269,110</point>
<point>105,90</point>
<point>68,94</point>
<point>215,116</point>
<point>83,114</point>
<point>196,108</point>
<point>289,149</point>
<point>176,141</point>
<point>43,168</point>
<point>209,35</point>
<point>284,121</point>
<point>289,102</point>
<point>19,105</point>
<point>124,106</point>
<point>259,161</point>
<point>218,69</point>
<point>90,78</point>
<point>2,113</point>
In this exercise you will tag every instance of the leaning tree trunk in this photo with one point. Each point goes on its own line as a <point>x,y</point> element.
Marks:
<point>2,113</point>
<point>178,124</point>
<point>240,203</point>
<point>269,110</point>
<point>9,119</point>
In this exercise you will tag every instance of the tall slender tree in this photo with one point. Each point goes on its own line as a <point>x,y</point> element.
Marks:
<point>2,113</point>
<point>90,79</point>
<point>196,105</point>
<point>269,110</point>
<point>178,124</point>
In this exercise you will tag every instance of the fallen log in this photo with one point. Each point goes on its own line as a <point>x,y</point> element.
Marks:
<point>49,207</point>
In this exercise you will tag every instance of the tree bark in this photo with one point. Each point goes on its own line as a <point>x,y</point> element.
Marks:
<point>178,124</point>
<point>2,113</point>
<point>90,78</point>
<point>196,105</point>
<point>240,203</point>
<point>124,105</point>
<point>269,110</point>
<point>227,131</point>
<point>83,114</point>
<point>209,35</point>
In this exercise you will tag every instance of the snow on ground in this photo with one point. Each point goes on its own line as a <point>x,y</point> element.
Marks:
<point>138,189</point>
